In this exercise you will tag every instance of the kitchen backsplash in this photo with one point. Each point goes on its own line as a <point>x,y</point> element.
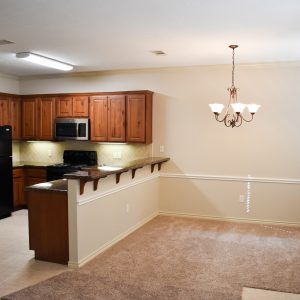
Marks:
<point>16,151</point>
<point>53,151</point>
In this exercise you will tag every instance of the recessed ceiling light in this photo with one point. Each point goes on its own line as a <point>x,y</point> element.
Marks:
<point>158,52</point>
<point>5,42</point>
<point>44,61</point>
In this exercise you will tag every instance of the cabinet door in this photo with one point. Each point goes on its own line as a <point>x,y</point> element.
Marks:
<point>98,115</point>
<point>29,118</point>
<point>18,188</point>
<point>45,118</point>
<point>64,107</point>
<point>4,110</point>
<point>15,117</point>
<point>136,117</point>
<point>116,118</point>
<point>80,106</point>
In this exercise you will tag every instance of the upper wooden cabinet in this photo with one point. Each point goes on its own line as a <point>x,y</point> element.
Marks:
<point>116,118</point>
<point>99,117</point>
<point>4,110</point>
<point>29,120</point>
<point>45,118</point>
<point>10,114</point>
<point>121,118</point>
<point>75,106</point>
<point>139,118</point>
<point>80,106</point>
<point>107,115</point>
<point>15,117</point>
<point>38,116</point>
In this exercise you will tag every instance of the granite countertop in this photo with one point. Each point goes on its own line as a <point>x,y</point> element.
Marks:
<point>89,174</point>
<point>60,185</point>
<point>93,173</point>
<point>21,164</point>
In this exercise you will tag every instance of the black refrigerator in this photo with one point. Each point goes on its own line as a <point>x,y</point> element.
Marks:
<point>6,184</point>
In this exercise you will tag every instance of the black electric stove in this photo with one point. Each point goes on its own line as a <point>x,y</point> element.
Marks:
<point>74,160</point>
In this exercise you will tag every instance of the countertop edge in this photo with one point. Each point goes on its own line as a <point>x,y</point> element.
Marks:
<point>89,174</point>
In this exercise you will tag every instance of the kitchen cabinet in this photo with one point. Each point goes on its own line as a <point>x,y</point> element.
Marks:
<point>116,118</point>
<point>139,118</point>
<point>29,120</point>
<point>4,110</point>
<point>108,118</point>
<point>48,225</point>
<point>15,117</point>
<point>45,118</point>
<point>10,114</point>
<point>35,175</point>
<point>38,114</point>
<point>99,117</point>
<point>72,106</point>
<point>18,189</point>
<point>80,106</point>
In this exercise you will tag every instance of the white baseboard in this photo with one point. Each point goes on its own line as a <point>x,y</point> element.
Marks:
<point>228,219</point>
<point>75,265</point>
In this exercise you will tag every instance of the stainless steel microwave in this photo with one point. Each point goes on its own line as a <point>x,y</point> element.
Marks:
<point>71,129</point>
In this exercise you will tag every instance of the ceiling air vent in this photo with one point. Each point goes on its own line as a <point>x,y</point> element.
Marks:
<point>5,42</point>
<point>158,52</point>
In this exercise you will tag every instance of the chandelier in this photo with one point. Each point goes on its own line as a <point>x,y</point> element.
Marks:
<point>233,115</point>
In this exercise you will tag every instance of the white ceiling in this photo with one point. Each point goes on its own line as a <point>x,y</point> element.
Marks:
<point>119,34</point>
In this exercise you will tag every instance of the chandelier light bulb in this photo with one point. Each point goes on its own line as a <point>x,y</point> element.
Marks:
<point>216,107</point>
<point>238,107</point>
<point>253,108</point>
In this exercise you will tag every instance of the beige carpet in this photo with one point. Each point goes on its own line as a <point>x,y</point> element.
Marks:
<point>184,258</point>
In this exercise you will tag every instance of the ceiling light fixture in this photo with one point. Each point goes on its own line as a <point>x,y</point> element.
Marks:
<point>44,61</point>
<point>233,114</point>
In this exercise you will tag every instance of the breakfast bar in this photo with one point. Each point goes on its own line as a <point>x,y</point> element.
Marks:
<point>62,212</point>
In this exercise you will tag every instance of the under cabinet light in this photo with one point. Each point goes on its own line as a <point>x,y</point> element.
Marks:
<point>44,61</point>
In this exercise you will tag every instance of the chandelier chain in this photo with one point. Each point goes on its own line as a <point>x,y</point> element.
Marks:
<point>233,66</point>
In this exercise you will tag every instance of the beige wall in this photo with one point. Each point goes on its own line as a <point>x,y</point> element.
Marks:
<point>9,84</point>
<point>266,148</point>
<point>97,219</point>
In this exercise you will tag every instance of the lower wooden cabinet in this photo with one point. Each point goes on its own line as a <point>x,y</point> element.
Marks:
<point>48,225</point>
<point>23,177</point>
<point>35,175</point>
<point>18,188</point>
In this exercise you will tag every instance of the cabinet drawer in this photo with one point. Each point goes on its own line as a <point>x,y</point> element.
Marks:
<point>17,173</point>
<point>36,172</point>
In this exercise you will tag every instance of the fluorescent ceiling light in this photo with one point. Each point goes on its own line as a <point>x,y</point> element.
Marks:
<point>44,61</point>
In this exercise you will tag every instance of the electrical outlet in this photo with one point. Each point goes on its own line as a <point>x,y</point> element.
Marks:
<point>117,154</point>
<point>242,198</point>
<point>49,152</point>
<point>161,148</point>
<point>127,207</point>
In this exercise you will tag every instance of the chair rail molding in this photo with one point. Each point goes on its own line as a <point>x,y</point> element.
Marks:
<point>231,178</point>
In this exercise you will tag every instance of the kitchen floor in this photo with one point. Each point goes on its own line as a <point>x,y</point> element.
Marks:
<point>18,267</point>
